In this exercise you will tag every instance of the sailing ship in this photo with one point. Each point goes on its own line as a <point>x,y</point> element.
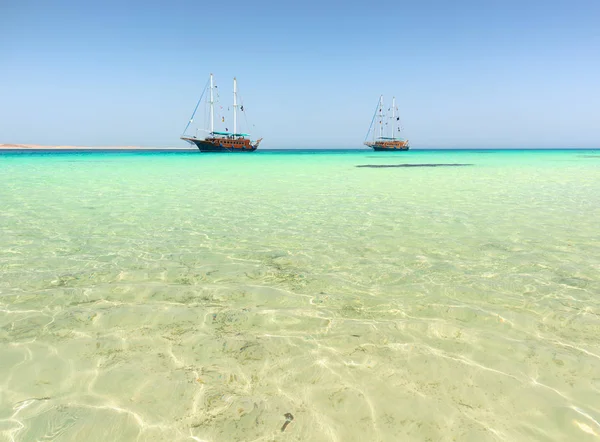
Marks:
<point>220,141</point>
<point>389,134</point>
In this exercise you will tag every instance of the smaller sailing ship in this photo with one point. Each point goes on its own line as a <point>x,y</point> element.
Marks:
<point>221,141</point>
<point>389,138</point>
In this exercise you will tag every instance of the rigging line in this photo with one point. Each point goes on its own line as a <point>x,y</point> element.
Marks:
<point>196,108</point>
<point>372,120</point>
<point>248,128</point>
<point>241,108</point>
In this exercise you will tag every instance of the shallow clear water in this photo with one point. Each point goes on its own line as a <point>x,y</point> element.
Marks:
<point>184,296</point>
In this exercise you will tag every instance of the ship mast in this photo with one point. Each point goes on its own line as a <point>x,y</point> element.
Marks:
<point>212,105</point>
<point>381,116</point>
<point>234,106</point>
<point>393,118</point>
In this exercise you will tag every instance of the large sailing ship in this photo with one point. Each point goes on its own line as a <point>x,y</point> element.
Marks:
<point>220,141</point>
<point>388,127</point>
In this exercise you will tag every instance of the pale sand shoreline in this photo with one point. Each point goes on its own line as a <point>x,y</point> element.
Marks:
<point>42,147</point>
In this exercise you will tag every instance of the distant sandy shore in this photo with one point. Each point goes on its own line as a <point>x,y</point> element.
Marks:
<point>39,146</point>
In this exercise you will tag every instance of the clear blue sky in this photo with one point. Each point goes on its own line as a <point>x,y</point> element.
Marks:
<point>473,73</point>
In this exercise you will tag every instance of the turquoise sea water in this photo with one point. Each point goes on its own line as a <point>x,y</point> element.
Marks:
<point>183,296</point>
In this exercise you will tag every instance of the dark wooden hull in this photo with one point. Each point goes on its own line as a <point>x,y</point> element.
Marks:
<point>229,145</point>
<point>383,149</point>
<point>388,145</point>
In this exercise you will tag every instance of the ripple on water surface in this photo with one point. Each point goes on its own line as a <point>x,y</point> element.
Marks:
<point>190,297</point>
